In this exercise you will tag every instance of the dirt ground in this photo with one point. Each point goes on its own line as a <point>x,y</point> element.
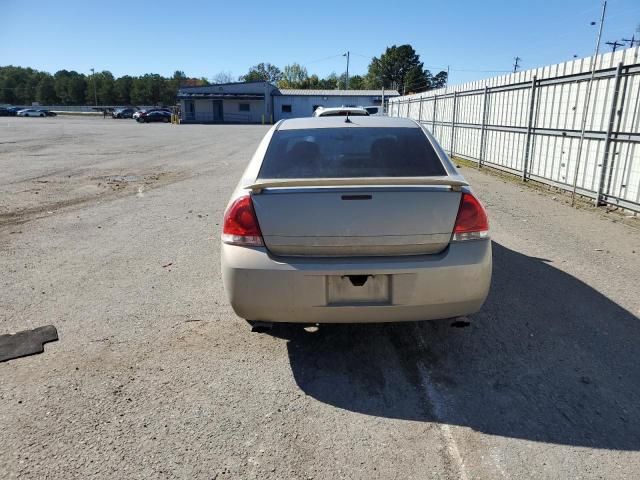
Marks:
<point>109,230</point>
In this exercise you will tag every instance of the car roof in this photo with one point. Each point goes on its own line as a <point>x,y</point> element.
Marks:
<point>338,122</point>
<point>321,111</point>
<point>338,109</point>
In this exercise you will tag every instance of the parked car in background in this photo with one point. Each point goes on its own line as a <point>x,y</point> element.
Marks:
<point>156,116</point>
<point>349,222</point>
<point>13,111</point>
<point>31,112</point>
<point>142,112</point>
<point>374,110</point>
<point>123,112</point>
<point>340,112</point>
<point>48,113</point>
<point>4,112</point>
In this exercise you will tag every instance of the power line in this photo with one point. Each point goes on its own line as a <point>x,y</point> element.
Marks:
<point>516,64</point>
<point>361,55</point>
<point>614,45</point>
<point>443,69</point>
<point>632,41</point>
<point>420,85</point>
<point>325,58</point>
<point>478,71</point>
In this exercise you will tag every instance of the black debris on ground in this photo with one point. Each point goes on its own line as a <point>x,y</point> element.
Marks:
<point>26,342</point>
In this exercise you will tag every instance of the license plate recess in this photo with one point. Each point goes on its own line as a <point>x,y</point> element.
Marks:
<point>344,290</point>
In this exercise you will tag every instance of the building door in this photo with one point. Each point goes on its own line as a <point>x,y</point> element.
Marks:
<point>190,113</point>
<point>218,113</point>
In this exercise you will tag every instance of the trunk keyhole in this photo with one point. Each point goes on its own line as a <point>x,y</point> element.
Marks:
<point>358,280</point>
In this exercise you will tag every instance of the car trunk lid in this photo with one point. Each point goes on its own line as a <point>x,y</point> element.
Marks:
<point>347,220</point>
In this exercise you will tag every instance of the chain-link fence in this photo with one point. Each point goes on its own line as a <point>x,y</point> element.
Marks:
<point>530,123</point>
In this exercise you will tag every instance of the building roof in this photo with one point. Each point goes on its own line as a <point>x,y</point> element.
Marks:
<point>333,93</point>
<point>182,95</point>
<point>215,85</point>
<point>255,89</point>
<point>339,122</point>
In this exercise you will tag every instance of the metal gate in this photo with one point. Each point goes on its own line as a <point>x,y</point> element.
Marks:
<point>529,123</point>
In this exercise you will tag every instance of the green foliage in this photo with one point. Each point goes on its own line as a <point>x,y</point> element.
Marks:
<point>399,67</point>
<point>330,82</point>
<point>70,87</point>
<point>150,89</point>
<point>22,86</point>
<point>18,84</point>
<point>263,72</point>
<point>439,80</point>
<point>416,80</point>
<point>46,90</point>
<point>104,85</point>
<point>316,83</point>
<point>122,90</point>
<point>357,82</point>
<point>294,76</point>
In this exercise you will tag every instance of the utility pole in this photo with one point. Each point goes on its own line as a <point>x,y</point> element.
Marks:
<point>614,45</point>
<point>516,64</point>
<point>632,41</point>
<point>346,83</point>
<point>95,93</point>
<point>594,62</point>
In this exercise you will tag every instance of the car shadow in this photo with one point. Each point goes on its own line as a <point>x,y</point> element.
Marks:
<point>547,359</point>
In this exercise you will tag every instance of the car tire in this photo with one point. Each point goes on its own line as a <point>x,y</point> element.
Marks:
<point>42,115</point>
<point>165,120</point>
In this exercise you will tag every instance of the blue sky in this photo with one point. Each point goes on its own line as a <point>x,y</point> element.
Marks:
<point>203,38</point>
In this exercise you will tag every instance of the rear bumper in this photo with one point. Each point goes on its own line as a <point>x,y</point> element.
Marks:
<point>450,284</point>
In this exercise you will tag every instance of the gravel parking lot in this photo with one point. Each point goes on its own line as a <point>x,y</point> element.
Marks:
<point>109,230</point>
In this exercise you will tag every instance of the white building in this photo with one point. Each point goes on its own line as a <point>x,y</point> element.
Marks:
<point>292,103</point>
<point>244,102</point>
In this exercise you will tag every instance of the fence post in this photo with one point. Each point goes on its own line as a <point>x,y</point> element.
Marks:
<point>483,128</point>
<point>408,106</point>
<point>420,111</point>
<point>453,124</point>
<point>532,100</point>
<point>607,141</point>
<point>435,113</point>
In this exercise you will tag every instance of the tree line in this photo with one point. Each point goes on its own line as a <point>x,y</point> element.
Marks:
<point>398,67</point>
<point>22,86</point>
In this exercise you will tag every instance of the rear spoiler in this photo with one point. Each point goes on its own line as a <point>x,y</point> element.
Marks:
<point>444,181</point>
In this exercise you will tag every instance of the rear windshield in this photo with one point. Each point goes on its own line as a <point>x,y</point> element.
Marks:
<point>350,152</point>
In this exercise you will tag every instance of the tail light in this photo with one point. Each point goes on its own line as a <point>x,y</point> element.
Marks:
<point>472,222</point>
<point>241,224</point>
